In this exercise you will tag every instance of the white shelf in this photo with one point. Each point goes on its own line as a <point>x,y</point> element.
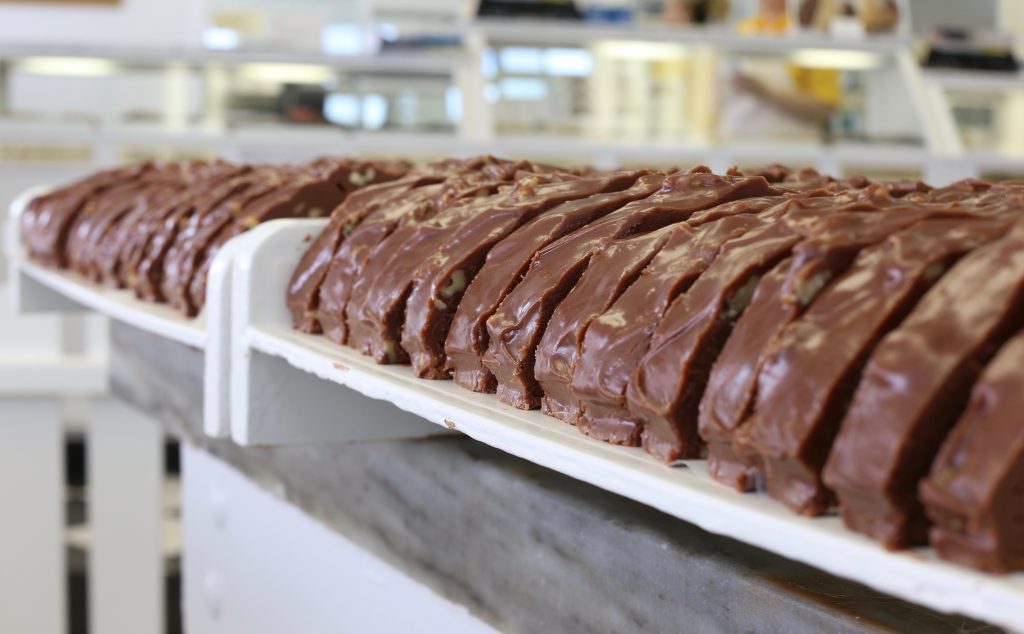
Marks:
<point>567,33</point>
<point>35,288</point>
<point>402,63</point>
<point>320,388</point>
<point>974,81</point>
<point>64,376</point>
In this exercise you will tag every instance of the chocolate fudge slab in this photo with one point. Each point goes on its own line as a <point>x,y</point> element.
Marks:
<point>506,264</point>
<point>377,321</point>
<point>732,387</point>
<point>90,232</point>
<point>916,385</point>
<point>376,237</point>
<point>47,220</point>
<point>608,274</point>
<point>86,226</point>
<point>304,288</point>
<point>120,254</point>
<point>666,386</point>
<point>814,365</point>
<point>617,339</point>
<point>517,326</point>
<point>440,282</point>
<point>973,493</point>
<point>144,266</point>
<point>312,197</point>
<point>185,256</point>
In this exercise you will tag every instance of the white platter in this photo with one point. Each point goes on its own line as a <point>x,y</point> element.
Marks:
<point>37,288</point>
<point>291,388</point>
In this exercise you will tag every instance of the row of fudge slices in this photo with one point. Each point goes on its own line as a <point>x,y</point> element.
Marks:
<point>831,342</point>
<point>155,228</point>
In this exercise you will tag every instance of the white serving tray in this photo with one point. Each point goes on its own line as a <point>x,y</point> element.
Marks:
<point>288,388</point>
<point>35,288</point>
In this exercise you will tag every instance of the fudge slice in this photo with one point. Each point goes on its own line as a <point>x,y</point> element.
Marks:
<point>665,388</point>
<point>475,184</point>
<point>95,215</point>
<point>144,264</point>
<point>376,321</point>
<point>329,184</point>
<point>183,256</point>
<point>617,339</point>
<point>441,280</point>
<point>304,287</point>
<point>129,236</point>
<point>917,383</point>
<point>47,220</point>
<point>609,273</point>
<point>519,322</point>
<point>90,232</point>
<point>506,264</point>
<point>732,387</point>
<point>973,493</point>
<point>814,365</point>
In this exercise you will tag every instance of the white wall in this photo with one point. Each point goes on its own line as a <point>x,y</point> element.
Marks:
<point>154,23</point>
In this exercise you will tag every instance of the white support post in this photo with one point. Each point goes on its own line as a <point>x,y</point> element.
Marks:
<point>33,578</point>
<point>125,479</point>
<point>477,122</point>
<point>933,110</point>
<point>256,564</point>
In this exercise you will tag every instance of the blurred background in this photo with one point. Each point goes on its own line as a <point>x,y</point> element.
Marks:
<point>925,89</point>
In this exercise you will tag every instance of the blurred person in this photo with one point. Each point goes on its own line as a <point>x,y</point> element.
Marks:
<point>877,16</point>
<point>772,98</point>
<point>693,12</point>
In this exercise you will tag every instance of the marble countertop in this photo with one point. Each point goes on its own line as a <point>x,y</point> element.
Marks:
<point>524,548</point>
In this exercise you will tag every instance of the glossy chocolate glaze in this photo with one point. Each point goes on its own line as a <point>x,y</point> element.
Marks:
<point>973,493</point>
<point>917,383</point>
<point>617,339</point>
<point>813,366</point>
<point>440,282</point>
<point>472,189</point>
<point>506,264</point>
<point>518,324</point>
